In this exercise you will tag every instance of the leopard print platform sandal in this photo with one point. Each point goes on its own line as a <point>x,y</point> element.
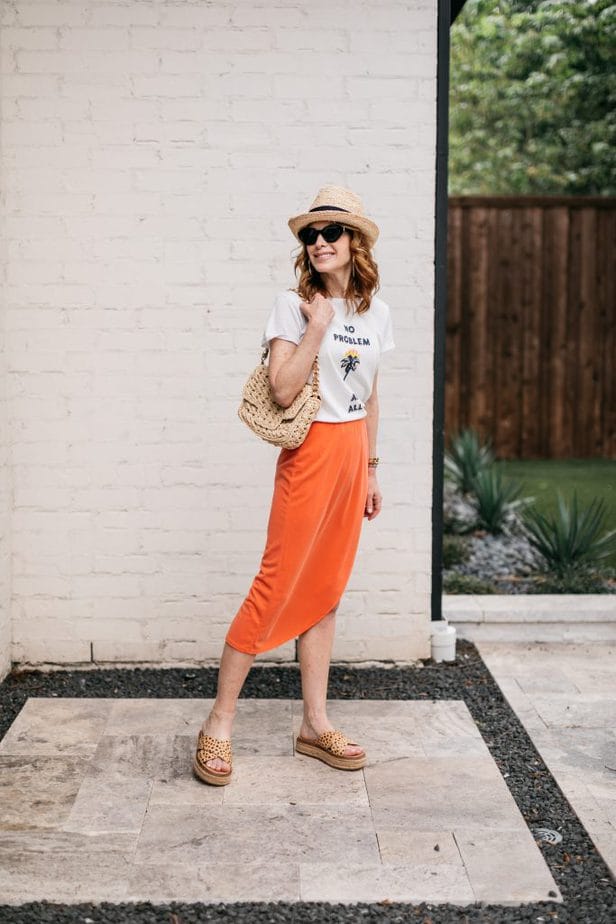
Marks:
<point>329,747</point>
<point>208,747</point>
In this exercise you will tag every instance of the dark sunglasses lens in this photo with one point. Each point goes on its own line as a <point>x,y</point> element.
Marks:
<point>330,233</point>
<point>308,235</point>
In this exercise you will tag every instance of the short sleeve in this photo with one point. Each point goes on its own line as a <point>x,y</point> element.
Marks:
<point>286,319</point>
<point>387,334</point>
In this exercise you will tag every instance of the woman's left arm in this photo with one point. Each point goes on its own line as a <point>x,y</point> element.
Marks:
<point>374,498</point>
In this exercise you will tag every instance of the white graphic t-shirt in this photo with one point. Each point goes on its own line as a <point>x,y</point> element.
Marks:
<point>349,354</point>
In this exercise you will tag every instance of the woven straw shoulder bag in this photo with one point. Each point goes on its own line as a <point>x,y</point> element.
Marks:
<point>282,426</point>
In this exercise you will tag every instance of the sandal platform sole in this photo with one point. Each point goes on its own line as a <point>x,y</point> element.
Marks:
<point>210,776</point>
<point>340,763</point>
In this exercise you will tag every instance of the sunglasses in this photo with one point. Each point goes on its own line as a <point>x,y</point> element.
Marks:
<point>330,233</point>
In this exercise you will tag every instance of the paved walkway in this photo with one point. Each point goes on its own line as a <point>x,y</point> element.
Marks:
<point>98,803</point>
<point>565,696</point>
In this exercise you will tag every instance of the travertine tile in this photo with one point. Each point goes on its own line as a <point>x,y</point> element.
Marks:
<point>603,835</point>
<point>263,726</point>
<point>439,745</point>
<point>608,811</point>
<point>409,847</point>
<point>238,833</point>
<point>64,866</point>
<point>135,756</point>
<point>259,880</point>
<point>603,786</point>
<point>450,717</point>
<point>575,749</point>
<point>506,866</point>
<point>299,780</point>
<point>57,727</point>
<point>109,805</point>
<point>521,704</point>
<point>593,798</point>
<point>554,681</point>
<point>588,710</point>
<point>442,793</point>
<point>185,791</point>
<point>376,883</point>
<point>150,716</point>
<point>594,679</point>
<point>38,792</point>
<point>449,731</point>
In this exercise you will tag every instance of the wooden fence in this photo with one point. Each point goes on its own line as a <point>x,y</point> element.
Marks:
<point>531,324</point>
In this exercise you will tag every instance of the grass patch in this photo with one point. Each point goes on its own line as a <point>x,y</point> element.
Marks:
<point>589,477</point>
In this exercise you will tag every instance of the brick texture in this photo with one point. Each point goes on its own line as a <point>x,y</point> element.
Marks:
<point>152,153</point>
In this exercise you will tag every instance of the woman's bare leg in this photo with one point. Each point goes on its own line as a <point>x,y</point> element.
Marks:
<point>234,667</point>
<point>315,648</point>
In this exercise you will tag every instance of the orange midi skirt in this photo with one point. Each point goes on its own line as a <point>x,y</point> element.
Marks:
<point>312,536</point>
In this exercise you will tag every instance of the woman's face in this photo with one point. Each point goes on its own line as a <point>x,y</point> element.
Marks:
<point>328,258</point>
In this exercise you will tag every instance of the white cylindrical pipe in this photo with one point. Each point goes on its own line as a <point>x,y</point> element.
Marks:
<point>443,641</point>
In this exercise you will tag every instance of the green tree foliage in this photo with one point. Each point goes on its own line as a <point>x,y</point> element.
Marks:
<point>533,98</point>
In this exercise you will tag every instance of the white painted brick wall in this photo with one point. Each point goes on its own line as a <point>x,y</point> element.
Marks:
<point>151,155</point>
<point>5,459</point>
<point>5,502</point>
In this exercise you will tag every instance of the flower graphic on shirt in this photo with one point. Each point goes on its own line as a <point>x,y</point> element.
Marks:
<point>349,362</point>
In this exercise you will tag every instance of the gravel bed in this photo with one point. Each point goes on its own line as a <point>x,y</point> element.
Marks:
<point>505,560</point>
<point>588,889</point>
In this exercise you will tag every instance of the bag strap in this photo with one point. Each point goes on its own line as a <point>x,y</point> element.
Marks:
<point>315,370</point>
<point>315,376</point>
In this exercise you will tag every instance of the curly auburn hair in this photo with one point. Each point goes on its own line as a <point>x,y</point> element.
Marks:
<point>363,282</point>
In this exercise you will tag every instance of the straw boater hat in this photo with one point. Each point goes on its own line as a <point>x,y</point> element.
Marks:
<point>335,203</point>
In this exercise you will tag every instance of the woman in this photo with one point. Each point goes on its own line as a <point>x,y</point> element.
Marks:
<point>323,488</point>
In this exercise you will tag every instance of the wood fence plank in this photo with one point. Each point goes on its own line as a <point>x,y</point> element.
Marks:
<point>454,320</point>
<point>533,402</point>
<point>506,292</point>
<point>554,358</point>
<point>589,405</point>
<point>606,236</point>
<point>475,386</point>
<point>572,355</point>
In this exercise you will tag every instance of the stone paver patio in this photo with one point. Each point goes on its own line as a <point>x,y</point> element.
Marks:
<point>98,803</point>
<point>565,696</point>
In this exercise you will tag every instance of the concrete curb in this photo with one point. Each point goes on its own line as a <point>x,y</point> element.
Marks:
<point>532,617</point>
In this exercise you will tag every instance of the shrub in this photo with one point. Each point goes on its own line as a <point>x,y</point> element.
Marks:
<point>455,550</point>
<point>574,582</point>
<point>569,542</point>
<point>465,458</point>
<point>456,583</point>
<point>495,499</point>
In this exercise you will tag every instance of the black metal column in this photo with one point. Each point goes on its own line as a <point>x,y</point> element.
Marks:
<point>440,301</point>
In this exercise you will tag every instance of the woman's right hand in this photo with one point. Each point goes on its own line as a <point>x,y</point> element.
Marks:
<point>318,312</point>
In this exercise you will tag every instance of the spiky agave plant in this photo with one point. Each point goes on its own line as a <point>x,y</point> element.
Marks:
<point>570,541</point>
<point>495,498</point>
<point>465,458</point>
